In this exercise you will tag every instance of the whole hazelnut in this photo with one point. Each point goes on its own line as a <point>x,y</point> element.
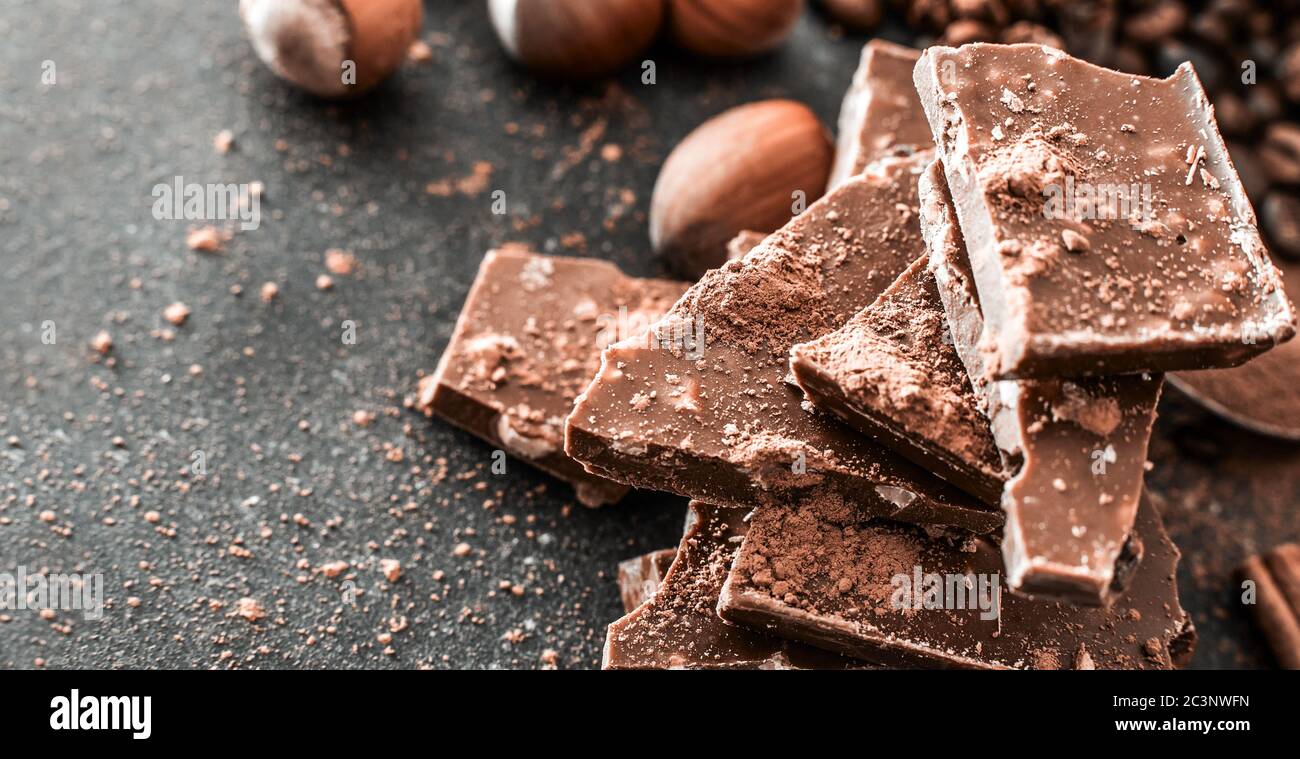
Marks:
<point>732,28</point>
<point>332,48</point>
<point>749,168</point>
<point>575,38</point>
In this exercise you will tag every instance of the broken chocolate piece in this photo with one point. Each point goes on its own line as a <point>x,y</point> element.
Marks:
<point>679,627</point>
<point>822,573</point>
<point>1102,240</point>
<point>1276,608</point>
<point>715,419</point>
<point>891,373</point>
<point>527,342</point>
<point>880,115</point>
<point>1076,448</point>
<point>639,578</point>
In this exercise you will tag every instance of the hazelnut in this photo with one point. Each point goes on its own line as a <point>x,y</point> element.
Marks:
<point>332,48</point>
<point>749,168</point>
<point>575,38</point>
<point>732,28</point>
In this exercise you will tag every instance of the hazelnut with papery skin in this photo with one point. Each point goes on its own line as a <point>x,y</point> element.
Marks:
<point>332,48</point>
<point>732,28</point>
<point>575,38</point>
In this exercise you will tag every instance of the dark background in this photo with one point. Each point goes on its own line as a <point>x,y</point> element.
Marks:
<point>142,90</point>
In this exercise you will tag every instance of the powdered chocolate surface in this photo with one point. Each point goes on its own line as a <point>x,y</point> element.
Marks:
<point>679,627</point>
<point>527,342</point>
<point>1110,286</point>
<point>1077,448</point>
<point>827,576</point>
<point>726,427</point>
<point>891,372</point>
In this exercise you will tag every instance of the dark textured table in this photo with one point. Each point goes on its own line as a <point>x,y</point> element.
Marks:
<point>97,453</point>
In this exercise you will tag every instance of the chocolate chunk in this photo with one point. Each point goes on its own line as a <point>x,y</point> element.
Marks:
<point>700,405</point>
<point>891,373</point>
<point>880,115</point>
<point>823,574</point>
<point>679,627</point>
<point>640,578</point>
<point>1276,608</point>
<point>1076,448</point>
<point>1173,275</point>
<point>527,342</point>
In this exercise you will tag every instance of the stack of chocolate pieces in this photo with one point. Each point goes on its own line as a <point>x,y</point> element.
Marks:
<point>937,380</point>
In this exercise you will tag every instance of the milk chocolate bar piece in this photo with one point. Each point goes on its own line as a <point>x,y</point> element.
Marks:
<point>679,627</point>
<point>1075,448</point>
<point>825,575</point>
<point>1106,226</point>
<point>880,115</point>
<point>1276,610</point>
<point>891,373</point>
<point>640,578</point>
<point>700,405</point>
<point>527,342</point>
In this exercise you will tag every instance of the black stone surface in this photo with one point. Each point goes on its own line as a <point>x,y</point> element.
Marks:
<point>88,449</point>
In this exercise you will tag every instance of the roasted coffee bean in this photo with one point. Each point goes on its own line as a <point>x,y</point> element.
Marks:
<point>1281,214</point>
<point>1234,117</point>
<point>931,15</point>
<point>1264,100</point>
<point>1129,59</point>
<point>1028,31</point>
<point>1233,11</point>
<point>1280,152</point>
<point>1213,28</point>
<point>1156,24</point>
<point>967,30</point>
<point>1288,73</point>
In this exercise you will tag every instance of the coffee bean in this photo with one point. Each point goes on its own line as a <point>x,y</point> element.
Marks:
<point>1129,59</point>
<point>1288,72</point>
<point>1281,214</point>
<point>1028,31</point>
<point>931,15</point>
<point>1157,23</point>
<point>967,30</point>
<point>1280,152</point>
<point>1234,117</point>
<point>1265,101</point>
<point>1214,29</point>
